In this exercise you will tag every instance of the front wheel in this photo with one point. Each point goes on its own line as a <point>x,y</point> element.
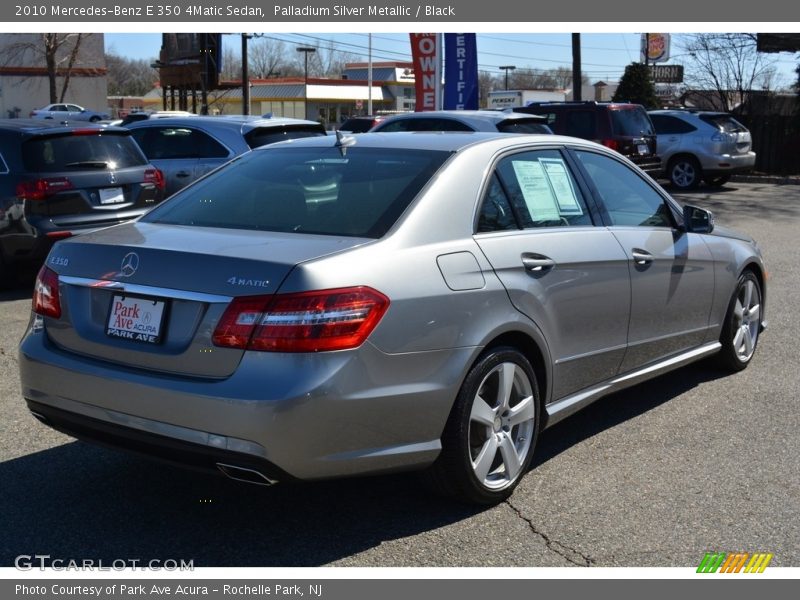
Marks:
<point>94,119</point>
<point>742,324</point>
<point>490,436</point>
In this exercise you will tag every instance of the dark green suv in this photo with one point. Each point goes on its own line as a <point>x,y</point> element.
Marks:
<point>623,127</point>
<point>61,179</point>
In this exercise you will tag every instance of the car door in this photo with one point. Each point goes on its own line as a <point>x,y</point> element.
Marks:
<point>181,153</point>
<point>671,134</point>
<point>672,276</point>
<point>74,111</point>
<point>567,275</point>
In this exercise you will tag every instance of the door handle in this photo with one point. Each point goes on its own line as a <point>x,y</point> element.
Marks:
<point>641,257</point>
<point>538,263</point>
<point>182,174</point>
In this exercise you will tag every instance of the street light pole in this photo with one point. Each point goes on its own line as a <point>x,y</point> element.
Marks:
<point>306,50</point>
<point>507,68</point>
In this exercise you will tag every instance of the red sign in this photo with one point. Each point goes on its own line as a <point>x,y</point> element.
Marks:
<point>424,56</point>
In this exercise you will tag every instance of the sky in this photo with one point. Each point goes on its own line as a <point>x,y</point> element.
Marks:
<point>604,55</point>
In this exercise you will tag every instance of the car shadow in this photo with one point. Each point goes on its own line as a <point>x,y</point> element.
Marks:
<point>79,501</point>
<point>622,406</point>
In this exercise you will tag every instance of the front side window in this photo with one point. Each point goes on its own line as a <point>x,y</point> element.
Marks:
<point>537,189</point>
<point>306,190</point>
<point>628,198</point>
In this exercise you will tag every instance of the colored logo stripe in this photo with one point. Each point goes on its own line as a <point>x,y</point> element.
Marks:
<point>734,562</point>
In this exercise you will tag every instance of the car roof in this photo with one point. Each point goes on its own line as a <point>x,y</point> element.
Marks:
<point>228,121</point>
<point>48,126</point>
<point>448,141</point>
<point>685,111</point>
<point>493,116</point>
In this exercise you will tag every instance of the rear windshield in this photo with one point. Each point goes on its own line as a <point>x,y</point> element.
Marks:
<point>724,123</point>
<point>631,121</point>
<point>75,152</point>
<point>523,126</point>
<point>262,136</point>
<point>357,125</point>
<point>306,190</point>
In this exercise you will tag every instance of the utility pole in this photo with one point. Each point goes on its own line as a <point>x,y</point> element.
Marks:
<point>577,81</point>
<point>306,50</point>
<point>245,77</point>
<point>507,68</point>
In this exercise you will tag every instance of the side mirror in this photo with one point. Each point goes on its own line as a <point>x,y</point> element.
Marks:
<point>697,220</point>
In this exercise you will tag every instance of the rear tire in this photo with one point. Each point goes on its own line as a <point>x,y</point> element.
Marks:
<point>684,172</point>
<point>490,436</point>
<point>742,326</point>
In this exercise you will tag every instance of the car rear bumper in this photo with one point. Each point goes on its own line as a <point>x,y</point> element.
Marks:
<point>292,415</point>
<point>728,164</point>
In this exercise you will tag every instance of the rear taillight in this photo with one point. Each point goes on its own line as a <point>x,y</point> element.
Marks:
<point>46,300</point>
<point>613,144</point>
<point>306,322</point>
<point>156,177</point>
<point>39,189</point>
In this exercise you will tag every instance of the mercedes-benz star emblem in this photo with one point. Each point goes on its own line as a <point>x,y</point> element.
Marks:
<point>112,178</point>
<point>130,262</point>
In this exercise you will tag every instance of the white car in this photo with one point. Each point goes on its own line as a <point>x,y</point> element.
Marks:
<point>68,112</point>
<point>701,145</point>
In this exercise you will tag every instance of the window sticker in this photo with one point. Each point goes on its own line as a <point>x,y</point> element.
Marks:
<point>536,190</point>
<point>561,183</point>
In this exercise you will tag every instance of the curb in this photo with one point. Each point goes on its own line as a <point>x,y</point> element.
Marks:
<point>775,179</point>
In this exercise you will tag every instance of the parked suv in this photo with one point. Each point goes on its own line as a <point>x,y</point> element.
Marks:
<point>623,127</point>
<point>59,180</point>
<point>186,148</point>
<point>705,145</point>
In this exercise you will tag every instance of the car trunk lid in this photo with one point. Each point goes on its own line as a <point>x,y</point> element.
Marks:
<point>150,296</point>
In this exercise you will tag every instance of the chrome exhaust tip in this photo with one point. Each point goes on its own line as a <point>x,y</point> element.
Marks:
<point>246,475</point>
<point>39,416</point>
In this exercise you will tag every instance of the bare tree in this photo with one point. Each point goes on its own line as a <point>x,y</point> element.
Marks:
<point>231,64</point>
<point>60,53</point>
<point>267,58</point>
<point>129,77</point>
<point>537,79</point>
<point>326,61</point>
<point>728,65</point>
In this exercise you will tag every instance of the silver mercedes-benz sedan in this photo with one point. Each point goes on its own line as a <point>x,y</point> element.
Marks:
<point>347,305</point>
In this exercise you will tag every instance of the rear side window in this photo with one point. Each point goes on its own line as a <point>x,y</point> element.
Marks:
<point>581,124</point>
<point>540,191</point>
<point>178,142</point>
<point>306,190</point>
<point>522,126</point>
<point>631,122</point>
<point>666,125</point>
<point>71,152</point>
<point>425,124</point>
<point>261,136</point>
<point>725,123</point>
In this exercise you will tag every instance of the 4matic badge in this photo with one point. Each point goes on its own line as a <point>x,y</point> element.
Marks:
<point>262,283</point>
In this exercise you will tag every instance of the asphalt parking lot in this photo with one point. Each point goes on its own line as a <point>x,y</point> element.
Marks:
<point>692,462</point>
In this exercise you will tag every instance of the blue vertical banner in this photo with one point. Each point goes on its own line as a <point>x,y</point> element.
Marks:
<point>460,71</point>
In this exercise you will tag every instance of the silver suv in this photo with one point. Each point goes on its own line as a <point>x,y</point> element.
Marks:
<point>705,145</point>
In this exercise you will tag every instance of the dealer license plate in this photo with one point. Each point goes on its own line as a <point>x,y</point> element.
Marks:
<point>111,195</point>
<point>135,318</point>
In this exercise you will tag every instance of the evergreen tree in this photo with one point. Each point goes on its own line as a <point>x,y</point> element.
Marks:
<point>635,86</point>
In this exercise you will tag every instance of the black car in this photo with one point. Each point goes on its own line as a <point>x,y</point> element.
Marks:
<point>61,179</point>
<point>621,126</point>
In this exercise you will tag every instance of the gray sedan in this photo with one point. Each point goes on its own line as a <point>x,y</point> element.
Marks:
<point>341,306</point>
